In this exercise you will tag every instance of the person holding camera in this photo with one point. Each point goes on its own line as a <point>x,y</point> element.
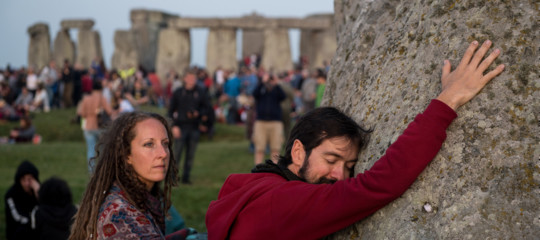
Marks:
<point>189,109</point>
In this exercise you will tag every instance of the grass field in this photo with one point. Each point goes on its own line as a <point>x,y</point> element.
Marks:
<point>63,150</point>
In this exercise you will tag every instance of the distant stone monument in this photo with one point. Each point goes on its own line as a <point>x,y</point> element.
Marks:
<point>173,53</point>
<point>221,49</point>
<point>126,54</point>
<point>64,47</point>
<point>145,27</point>
<point>318,45</point>
<point>88,46</point>
<point>485,181</point>
<point>39,49</point>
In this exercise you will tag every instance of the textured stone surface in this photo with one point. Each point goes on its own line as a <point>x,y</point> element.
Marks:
<point>252,39</point>
<point>146,25</point>
<point>253,23</point>
<point>318,45</point>
<point>125,51</point>
<point>221,49</point>
<point>64,48</point>
<point>88,47</point>
<point>86,24</point>
<point>276,54</point>
<point>485,181</point>
<point>173,52</point>
<point>39,49</point>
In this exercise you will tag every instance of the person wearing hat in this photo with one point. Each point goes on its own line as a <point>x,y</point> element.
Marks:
<point>19,201</point>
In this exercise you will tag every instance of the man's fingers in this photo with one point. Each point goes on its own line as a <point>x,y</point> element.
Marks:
<point>446,69</point>
<point>485,64</point>
<point>493,73</point>
<point>480,53</point>
<point>468,54</point>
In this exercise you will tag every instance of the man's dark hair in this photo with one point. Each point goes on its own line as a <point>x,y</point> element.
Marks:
<point>320,124</point>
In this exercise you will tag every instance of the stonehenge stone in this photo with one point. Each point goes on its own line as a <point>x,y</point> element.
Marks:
<point>252,42</point>
<point>88,47</point>
<point>173,52</point>
<point>83,24</point>
<point>276,54</point>
<point>221,49</point>
<point>64,48</point>
<point>252,23</point>
<point>39,50</point>
<point>485,181</point>
<point>146,25</point>
<point>252,39</point>
<point>318,45</point>
<point>125,51</point>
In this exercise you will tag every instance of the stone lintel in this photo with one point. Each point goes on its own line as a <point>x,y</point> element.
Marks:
<point>77,23</point>
<point>38,28</point>
<point>251,23</point>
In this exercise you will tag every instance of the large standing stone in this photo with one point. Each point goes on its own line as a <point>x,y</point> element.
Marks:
<point>125,51</point>
<point>277,50</point>
<point>221,49</point>
<point>146,25</point>
<point>173,52</point>
<point>39,49</point>
<point>318,45</point>
<point>88,47</point>
<point>485,181</point>
<point>252,42</point>
<point>64,47</point>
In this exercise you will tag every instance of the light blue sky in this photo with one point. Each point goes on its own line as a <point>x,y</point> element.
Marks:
<point>110,15</point>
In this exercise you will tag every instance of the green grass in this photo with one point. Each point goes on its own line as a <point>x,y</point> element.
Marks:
<point>63,150</point>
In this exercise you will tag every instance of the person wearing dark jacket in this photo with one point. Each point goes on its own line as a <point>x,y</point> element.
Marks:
<point>188,109</point>
<point>19,201</point>
<point>268,127</point>
<point>312,191</point>
<point>52,218</point>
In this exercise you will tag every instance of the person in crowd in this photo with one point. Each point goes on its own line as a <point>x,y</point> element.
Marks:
<point>130,191</point>
<point>155,89</point>
<point>309,91</point>
<point>321,85</point>
<point>79,77</point>
<point>88,110</point>
<point>49,76</point>
<point>268,128</point>
<point>41,100</point>
<point>120,103</point>
<point>24,133</point>
<point>7,112</point>
<point>232,89</point>
<point>189,111</point>
<point>7,93</point>
<point>24,101</point>
<point>312,192</point>
<point>19,201</point>
<point>52,217</point>
<point>286,104</point>
<point>138,95</point>
<point>68,84</point>
<point>31,80</point>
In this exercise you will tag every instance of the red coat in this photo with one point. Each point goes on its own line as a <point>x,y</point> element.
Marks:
<point>267,206</point>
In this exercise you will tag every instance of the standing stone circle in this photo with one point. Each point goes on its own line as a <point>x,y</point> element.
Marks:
<point>39,49</point>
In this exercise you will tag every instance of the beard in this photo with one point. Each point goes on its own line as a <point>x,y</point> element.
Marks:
<point>304,173</point>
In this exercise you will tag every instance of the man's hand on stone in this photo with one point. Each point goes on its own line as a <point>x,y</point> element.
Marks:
<point>461,85</point>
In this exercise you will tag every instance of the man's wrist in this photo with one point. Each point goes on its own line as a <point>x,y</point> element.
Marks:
<point>448,102</point>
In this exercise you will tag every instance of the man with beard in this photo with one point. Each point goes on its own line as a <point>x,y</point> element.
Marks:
<point>289,200</point>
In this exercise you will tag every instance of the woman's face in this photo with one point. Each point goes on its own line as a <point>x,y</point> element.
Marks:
<point>150,152</point>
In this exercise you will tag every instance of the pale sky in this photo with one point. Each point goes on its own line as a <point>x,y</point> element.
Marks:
<point>17,15</point>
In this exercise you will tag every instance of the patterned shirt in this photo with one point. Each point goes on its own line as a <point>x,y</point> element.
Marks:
<point>119,219</point>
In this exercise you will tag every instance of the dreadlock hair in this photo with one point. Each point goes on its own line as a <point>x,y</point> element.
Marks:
<point>113,150</point>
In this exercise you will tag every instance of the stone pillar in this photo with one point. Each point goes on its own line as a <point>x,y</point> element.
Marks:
<point>173,52</point>
<point>276,54</point>
<point>484,183</point>
<point>125,50</point>
<point>64,47</point>
<point>221,49</point>
<point>318,45</point>
<point>39,49</point>
<point>252,42</point>
<point>89,47</point>
<point>146,25</point>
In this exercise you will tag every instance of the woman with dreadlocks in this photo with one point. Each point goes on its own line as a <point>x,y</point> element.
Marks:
<point>129,193</point>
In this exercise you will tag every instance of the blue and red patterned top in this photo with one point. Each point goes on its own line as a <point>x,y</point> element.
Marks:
<point>119,219</point>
